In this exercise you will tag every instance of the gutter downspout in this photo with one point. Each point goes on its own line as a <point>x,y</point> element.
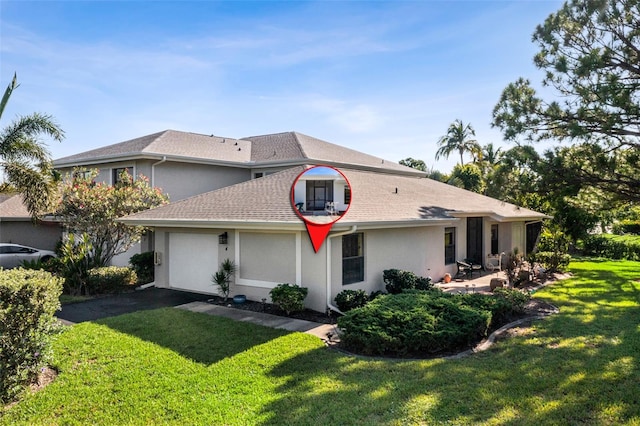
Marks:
<point>328,245</point>
<point>153,170</point>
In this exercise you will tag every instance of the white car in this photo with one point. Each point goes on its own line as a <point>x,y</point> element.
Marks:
<point>12,255</point>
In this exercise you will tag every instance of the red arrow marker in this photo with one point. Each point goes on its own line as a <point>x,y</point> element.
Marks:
<point>318,227</point>
<point>317,233</point>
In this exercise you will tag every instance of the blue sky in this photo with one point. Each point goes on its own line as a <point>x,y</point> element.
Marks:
<point>386,78</point>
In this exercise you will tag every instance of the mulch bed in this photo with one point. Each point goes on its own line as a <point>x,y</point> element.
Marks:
<point>269,308</point>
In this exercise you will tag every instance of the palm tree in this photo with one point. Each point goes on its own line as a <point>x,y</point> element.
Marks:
<point>25,159</point>
<point>458,139</point>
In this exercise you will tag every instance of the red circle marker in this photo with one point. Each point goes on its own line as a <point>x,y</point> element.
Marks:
<point>320,196</point>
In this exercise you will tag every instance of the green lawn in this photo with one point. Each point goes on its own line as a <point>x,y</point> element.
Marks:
<point>175,367</point>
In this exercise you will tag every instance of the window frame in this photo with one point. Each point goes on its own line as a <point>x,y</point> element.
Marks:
<point>351,274</point>
<point>450,249</point>
<point>115,174</point>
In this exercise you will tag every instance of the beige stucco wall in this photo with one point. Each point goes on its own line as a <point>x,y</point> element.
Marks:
<point>182,180</point>
<point>179,180</point>
<point>44,235</point>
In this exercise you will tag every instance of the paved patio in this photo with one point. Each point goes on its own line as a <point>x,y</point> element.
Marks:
<point>479,284</point>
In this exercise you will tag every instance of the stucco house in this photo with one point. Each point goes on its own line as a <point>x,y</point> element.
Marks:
<point>242,199</point>
<point>17,226</point>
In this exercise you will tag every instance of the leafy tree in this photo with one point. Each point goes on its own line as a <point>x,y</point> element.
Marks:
<point>458,139</point>
<point>414,164</point>
<point>590,53</point>
<point>26,160</point>
<point>467,176</point>
<point>92,208</point>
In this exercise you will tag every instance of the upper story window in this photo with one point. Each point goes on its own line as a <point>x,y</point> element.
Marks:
<point>116,176</point>
<point>449,245</point>
<point>257,175</point>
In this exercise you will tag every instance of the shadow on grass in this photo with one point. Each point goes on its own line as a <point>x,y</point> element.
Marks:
<point>202,338</point>
<point>580,366</point>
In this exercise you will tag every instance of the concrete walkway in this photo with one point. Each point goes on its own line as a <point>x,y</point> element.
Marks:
<point>326,332</point>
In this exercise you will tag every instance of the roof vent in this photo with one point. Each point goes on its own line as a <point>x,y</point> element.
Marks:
<point>396,191</point>
<point>223,140</point>
<point>239,149</point>
<point>236,143</point>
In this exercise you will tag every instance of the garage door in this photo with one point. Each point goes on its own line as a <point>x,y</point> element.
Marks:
<point>193,258</point>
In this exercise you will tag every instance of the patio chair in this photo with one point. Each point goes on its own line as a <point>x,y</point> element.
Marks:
<point>466,268</point>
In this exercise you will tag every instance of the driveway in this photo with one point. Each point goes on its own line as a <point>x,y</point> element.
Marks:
<point>124,303</point>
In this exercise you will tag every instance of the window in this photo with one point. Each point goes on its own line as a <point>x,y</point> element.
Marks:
<point>449,245</point>
<point>116,179</point>
<point>319,193</point>
<point>82,174</point>
<point>352,258</point>
<point>347,194</point>
<point>494,239</point>
<point>257,175</point>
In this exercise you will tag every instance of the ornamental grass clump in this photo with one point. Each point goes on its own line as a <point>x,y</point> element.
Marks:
<point>28,302</point>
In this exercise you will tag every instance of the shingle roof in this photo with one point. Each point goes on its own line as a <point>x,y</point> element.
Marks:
<point>254,151</point>
<point>12,206</point>
<point>376,198</point>
<point>171,143</point>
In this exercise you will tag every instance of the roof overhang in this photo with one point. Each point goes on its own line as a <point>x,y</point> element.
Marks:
<point>497,217</point>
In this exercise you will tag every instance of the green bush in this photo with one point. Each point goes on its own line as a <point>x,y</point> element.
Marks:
<point>552,261</point>
<point>289,297</point>
<point>396,281</point>
<point>413,323</point>
<point>627,226</point>
<point>28,302</point>
<point>351,299</point>
<point>612,246</point>
<point>516,300</point>
<point>110,279</point>
<point>142,264</point>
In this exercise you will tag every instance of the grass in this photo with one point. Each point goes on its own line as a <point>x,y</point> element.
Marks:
<point>175,367</point>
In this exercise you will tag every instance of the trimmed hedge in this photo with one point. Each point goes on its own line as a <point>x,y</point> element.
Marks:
<point>612,246</point>
<point>396,281</point>
<point>142,263</point>
<point>418,323</point>
<point>351,299</point>
<point>28,302</point>
<point>289,297</point>
<point>110,279</point>
<point>627,226</point>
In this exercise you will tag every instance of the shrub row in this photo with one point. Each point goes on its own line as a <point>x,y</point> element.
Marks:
<point>415,323</point>
<point>627,226</point>
<point>397,281</point>
<point>28,302</point>
<point>110,279</point>
<point>612,247</point>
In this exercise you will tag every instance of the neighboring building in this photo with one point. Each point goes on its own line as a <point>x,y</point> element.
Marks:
<point>17,226</point>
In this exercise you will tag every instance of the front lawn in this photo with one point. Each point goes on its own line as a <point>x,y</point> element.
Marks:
<point>170,366</point>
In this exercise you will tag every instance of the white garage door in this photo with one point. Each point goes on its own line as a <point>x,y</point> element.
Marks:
<point>193,258</point>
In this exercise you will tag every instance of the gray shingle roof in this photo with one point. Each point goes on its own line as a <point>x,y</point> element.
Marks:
<point>12,206</point>
<point>170,143</point>
<point>374,200</point>
<point>254,151</point>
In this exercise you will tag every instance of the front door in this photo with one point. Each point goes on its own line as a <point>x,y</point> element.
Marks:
<point>474,240</point>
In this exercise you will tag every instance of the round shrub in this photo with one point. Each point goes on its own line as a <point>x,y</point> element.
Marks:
<point>396,281</point>
<point>413,323</point>
<point>110,279</point>
<point>28,302</point>
<point>351,299</point>
<point>142,263</point>
<point>289,297</point>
